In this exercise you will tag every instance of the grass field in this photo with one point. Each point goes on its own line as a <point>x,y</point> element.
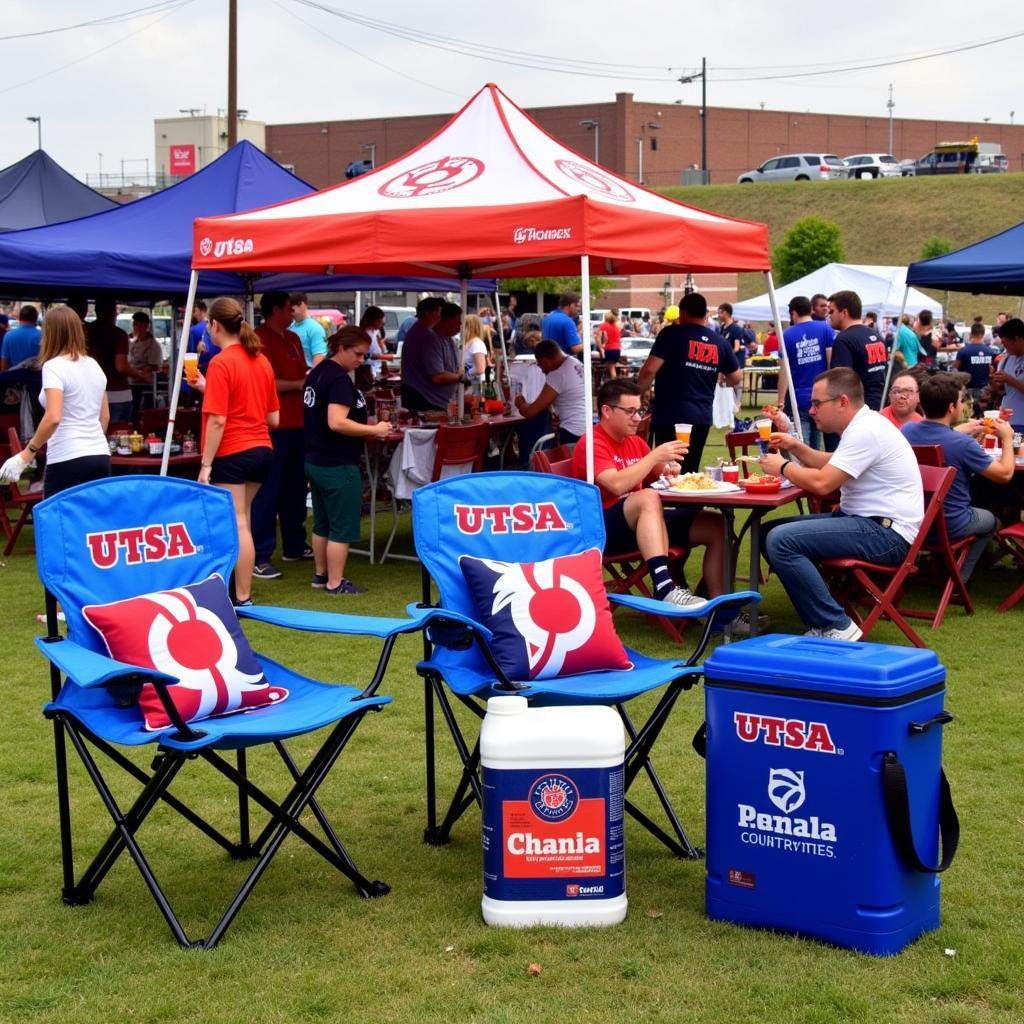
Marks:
<point>305,948</point>
<point>884,222</point>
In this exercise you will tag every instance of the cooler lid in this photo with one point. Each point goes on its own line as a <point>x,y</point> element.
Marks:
<point>866,673</point>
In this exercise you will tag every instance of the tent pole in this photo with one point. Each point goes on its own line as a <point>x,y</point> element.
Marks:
<point>359,306</point>
<point>588,380</point>
<point>250,304</point>
<point>895,338</point>
<point>783,355</point>
<point>464,302</point>
<point>503,347</point>
<point>179,369</point>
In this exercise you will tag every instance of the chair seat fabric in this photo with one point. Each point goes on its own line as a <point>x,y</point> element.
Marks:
<point>310,706</point>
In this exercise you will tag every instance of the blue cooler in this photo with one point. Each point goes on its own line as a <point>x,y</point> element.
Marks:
<point>825,790</point>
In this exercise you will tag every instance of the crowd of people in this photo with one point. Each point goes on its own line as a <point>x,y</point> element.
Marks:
<point>284,415</point>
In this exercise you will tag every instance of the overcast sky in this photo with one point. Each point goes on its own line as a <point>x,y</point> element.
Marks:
<point>98,88</point>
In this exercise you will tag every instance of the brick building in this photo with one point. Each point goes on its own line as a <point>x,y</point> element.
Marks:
<point>667,135</point>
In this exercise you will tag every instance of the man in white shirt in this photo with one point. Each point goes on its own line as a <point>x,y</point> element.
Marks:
<point>562,391</point>
<point>880,511</point>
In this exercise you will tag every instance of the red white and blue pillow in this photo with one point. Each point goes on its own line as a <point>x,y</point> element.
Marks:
<point>191,633</point>
<point>549,618</point>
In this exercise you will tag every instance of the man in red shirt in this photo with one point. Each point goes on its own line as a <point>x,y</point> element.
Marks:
<point>634,516</point>
<point>283,494</point>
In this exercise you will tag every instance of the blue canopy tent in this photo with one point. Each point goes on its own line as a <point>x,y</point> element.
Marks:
<point>993,266</point>
<point>143,250</point>
<point>37,190</point>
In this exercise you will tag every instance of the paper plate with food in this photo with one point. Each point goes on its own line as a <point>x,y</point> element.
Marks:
<point>697,483</point>
<point>762,483</point>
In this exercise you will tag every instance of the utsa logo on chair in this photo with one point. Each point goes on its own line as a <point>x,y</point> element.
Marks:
<point>155,657</point>
<point>529,614</point>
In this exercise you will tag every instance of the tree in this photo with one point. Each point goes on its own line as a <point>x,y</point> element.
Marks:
<point>555,285</point>
<point>936,246</point>
<point>809,244</point>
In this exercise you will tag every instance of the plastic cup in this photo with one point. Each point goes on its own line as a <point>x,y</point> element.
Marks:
<point>764,429</point>
<point>191,367</point>
<point>683,432</point>
<point>715,472</point>
<point>731,474</point>
<point>991,418</point>
<point>990,442</point>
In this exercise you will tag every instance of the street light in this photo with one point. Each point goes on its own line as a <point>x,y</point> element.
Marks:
<point>686,80</point>
<point>371,147</point>
<point>654,126</point>
<point>590,122</point>
<point>39,129</point>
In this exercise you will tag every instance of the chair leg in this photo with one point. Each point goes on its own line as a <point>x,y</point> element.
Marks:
<point>244,845</point>
<point>430,832</point>
<point>1012,599</point>
<point>638,758</point>
<point>470,779</point>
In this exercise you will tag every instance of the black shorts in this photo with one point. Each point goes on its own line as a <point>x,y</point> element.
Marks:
<point>612,356</point>
<point>249,467</point>
<point>59,476</point>
<point>619,537</point>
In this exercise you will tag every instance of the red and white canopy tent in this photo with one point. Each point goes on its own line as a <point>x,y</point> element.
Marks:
<point>490,194</point>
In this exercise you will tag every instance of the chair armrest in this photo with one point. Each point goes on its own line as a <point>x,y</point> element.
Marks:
<point>441,616</point>
<point>349,625</point>
<point>88,669</point>
<point>715,606</point>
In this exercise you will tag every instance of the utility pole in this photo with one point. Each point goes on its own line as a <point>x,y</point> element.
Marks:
<point>686,80</point>
<point>594,124</point>
<point>39,128</point>
<point>232,72</point>
<point>890,105</point>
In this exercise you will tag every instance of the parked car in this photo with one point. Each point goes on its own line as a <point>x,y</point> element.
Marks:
<point>971,157</point>
<point>635,351</point>
<point>160,325</point>
<point>872,165</point>
<point>394,317</point>
<point>796,167</point>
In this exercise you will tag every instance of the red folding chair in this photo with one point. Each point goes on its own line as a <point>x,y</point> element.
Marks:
<point>542,459</point>
<point>460,446</point>
<point>855,582</point>
<point>949,555</point>
<point>14,499</point>
<point>627,570</point>
<point>739,442</point>
<point>1011,539</point>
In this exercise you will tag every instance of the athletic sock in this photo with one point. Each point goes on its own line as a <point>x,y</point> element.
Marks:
<point>660,577</point>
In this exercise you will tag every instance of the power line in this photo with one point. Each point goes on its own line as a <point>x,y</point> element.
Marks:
<point>366,57</point>
<point>107,19</point>
<point>175,6</point>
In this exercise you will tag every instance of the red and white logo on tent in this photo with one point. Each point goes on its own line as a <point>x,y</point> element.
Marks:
<point>433,179</point>
<point>206,246</point>
<point>594,181</point>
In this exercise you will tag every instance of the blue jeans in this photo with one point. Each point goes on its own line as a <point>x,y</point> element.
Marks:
<point>795,545</point>
<point>983,525</point>
<point>812,435</point>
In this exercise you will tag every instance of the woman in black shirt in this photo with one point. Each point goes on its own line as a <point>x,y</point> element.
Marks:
<point>335,432</point>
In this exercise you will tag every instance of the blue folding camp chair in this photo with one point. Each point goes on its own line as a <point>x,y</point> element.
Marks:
<point>124,537</point>
<point>521,517</point>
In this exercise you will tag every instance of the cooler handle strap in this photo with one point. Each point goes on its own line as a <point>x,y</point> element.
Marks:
<point>897,811</point>
<point>700,740</point>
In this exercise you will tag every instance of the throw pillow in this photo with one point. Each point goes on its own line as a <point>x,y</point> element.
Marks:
<point>549,618</point>
<point>191,633</point>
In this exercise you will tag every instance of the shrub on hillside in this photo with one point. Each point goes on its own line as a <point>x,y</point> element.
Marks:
<point>809,244</point>
<point>935,246</point>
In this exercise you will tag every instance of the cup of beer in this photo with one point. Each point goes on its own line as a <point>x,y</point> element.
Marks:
<point>683,432</point>
<point>191,367</point>
<point>991,418</point>
<point>764,428</point>
<point>731,474</point>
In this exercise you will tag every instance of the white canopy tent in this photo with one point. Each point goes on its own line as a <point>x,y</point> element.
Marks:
<point>881,290</point>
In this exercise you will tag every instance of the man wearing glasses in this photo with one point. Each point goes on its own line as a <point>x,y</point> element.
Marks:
<point>904,397</point>
<point>634,517</point>
<point>880,509</point>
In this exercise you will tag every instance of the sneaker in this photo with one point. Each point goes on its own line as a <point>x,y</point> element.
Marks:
<point>319,580</point>
<point>266,571</point>
<point>345,587</point>
<point>740,626</point>
<point>849,632</point>
<point>247,603</point>
<point>684,598</point>
<point>307,553</point>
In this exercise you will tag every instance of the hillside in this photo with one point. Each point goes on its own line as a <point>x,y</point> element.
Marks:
<point>885,222</point>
